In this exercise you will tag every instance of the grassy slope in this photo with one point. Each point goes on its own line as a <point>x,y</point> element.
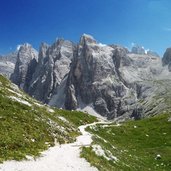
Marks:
<point>30,129</point>
<point>134,143</point>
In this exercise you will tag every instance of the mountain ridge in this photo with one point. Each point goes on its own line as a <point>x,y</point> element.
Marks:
<point>109,79</point>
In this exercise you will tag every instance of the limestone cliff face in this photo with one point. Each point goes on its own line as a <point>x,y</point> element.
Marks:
<point>53,65</point>
<point>167,58</point>
<point>111,80</point>
<point>7,64</point>
<point>94,77</point>
<point>25,56</point>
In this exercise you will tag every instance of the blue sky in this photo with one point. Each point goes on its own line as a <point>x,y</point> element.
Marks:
<point>145,22</point>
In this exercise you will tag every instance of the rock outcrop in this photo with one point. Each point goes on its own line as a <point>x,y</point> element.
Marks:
<point>111,80</point>
<point>136,49</point>
<point>167,58</point>
<point>7,64</point>
<point>152,53</point>
<point>26,59</point>
<point>53,65</point>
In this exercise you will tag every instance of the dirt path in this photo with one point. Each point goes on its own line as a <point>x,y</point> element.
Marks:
<point>59,158</point>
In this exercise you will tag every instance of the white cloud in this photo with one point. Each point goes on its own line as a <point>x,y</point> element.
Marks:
<point>18,47</point>
<point>100,44</point>
<point>146,50</point>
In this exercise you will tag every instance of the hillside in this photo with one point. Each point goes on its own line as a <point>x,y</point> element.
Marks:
<point>131,146</point>
<point>29,127</point>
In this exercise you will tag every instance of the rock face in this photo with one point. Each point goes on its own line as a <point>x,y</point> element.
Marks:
<point>152,53</point>
<point>167,58</point>
<point>7,64</point>
<point>94,77</point>
<point>26,59</point>
<point>42,77</point>
<point>136,49</point>
<point>108,79</point>
<point>54,64</point>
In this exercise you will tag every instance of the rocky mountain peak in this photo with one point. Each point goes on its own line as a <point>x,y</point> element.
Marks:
<point>61,48</point>
<point>25,55</point>
<point>44,46</point>
<point>167,57</point>
<point>87,39</point>
<point>137,49</point>
<point>152,53</point>
<point>42,52</point>
<point>7,64</point>
<point>26,45</point>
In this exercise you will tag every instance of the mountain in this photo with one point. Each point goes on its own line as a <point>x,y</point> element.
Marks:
<point>7,64</point>
<point>104,79</point>
<point>137,49</point>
